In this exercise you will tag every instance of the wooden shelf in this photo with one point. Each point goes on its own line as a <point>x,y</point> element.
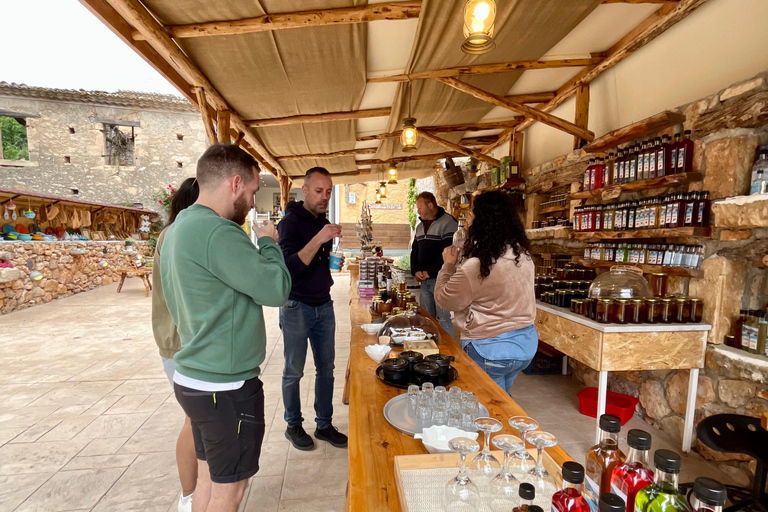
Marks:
<point>634,131</point>
<point>613,191</point>
<point>549,232</point>
<point>643,233</point>
<point>647,269</point>
<point>510,183</point>
<point>552,209</point>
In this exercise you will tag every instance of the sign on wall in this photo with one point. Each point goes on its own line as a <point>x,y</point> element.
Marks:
<point>385,206</point>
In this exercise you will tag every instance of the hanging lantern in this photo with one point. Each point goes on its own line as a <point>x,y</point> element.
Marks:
<point>392,174</point>
<point>479,16</point>
<point>383,190</point>
<point>378,197</point>
<point>410,135</point>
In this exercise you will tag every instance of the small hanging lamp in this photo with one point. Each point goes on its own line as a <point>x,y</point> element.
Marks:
<point>378,198</point>
<point>392,174</point>
<point>479,17</point>
<point>410,135</point>
<point>383,189</point>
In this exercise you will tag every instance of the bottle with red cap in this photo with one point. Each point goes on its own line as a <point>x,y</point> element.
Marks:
<point>635,473</point>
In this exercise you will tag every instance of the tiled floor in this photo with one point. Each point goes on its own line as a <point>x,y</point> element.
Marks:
<point>89,421</point>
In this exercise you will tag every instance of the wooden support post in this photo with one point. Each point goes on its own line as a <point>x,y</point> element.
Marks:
<point>285,188</point>
<point>202,103</point>
<point>516,148</point>
<point>239,139</point>
<point>582,112</point>
<point>460,149</point>
<point>222,126</point>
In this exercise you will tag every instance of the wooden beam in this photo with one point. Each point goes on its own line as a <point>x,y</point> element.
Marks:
<point>207,118</point>
<point>320,118</point>
<point>336,154</point>
<point>285,190</point>
<point>536,97</point>
<point>477,141</point>
<point>467,127</point>
<point>516,148</point>
<point>411,158</point>
<point>239,139</point>
<point>533,113</point>
<point>639,1</point>
<point>285,20</point>
<point>487,69</point>
<point>582,112</point>
<point>222,126</point>
<point>460,149</point>
<point>137,15</point>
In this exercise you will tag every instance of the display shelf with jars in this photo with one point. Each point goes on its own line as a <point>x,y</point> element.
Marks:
<point>613,191</point>
<point>647,269</point>
<point>634,131</point>
<point>644,233</point>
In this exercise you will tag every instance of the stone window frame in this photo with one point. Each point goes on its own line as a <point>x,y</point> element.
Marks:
<point>28,162</point>
<point>108,125</point>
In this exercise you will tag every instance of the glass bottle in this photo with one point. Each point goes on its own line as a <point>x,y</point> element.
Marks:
<point>704,207</point>
<point>685,154</point>
<point>654,155</point>
<point>608,170</point>
<point>690,211</point>
<point>633,154</point>
<point>663,494</point>
<point>760,165</point>
<point>611,503</point>
<point>635,473</point>
<point>460,238</point>
<point>662,157</point>
<point>644,163</point>
<point>631,214</point>
<point>569,498</point>
<point>615,167</point>
<point>622,164</point>
<point>673,155</point>
<point>588,175</point>
<point>762,331</point>
<point>602,458</point>
<point>527,493</point>
<point>709,495</point>
<point>752,326</point>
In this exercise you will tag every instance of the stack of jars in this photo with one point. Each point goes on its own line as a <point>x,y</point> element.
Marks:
<point>668,310</point>
<point>564,285</point>
<point>670,211</point>
<point>668,255</point>
<point>651,158</point>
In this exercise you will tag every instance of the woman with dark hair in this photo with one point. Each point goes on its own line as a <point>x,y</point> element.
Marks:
<point>492,292</point>
<point>168,342</point>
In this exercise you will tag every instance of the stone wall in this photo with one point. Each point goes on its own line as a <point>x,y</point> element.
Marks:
<point>396,195</point>
<point>64,274</point>
<point>66,148</point>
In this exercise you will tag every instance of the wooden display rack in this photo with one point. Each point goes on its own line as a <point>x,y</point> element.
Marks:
<point>638,130</point>
<point>647,269</point>
<point>613,191</point>
<point>596,236</point>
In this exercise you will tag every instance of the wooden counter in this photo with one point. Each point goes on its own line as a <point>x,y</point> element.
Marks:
<point>374,443</point>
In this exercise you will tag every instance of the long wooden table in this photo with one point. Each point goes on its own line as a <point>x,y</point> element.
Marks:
<point>374,443</point>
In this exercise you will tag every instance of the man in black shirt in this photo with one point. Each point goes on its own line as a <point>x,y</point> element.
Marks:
<point>306,238</point>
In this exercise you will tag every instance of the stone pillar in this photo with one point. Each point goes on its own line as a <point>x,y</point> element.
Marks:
<point>721,289</point>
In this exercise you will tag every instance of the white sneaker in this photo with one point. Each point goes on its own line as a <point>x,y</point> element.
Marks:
<point>185,503</point>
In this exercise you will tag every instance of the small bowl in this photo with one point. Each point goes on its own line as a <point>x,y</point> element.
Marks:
<point>436,437</point>
<point>377,352</point>
<point>371,328</point>
<point>415,336</point>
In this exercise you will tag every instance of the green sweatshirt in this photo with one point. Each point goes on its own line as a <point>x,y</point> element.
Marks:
<point>215,283</point>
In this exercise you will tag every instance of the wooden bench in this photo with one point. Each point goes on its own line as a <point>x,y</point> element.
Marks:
<point>142,273</point>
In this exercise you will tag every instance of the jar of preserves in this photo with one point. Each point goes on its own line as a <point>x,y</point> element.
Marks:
<point>590,307</point>
<point>668,311</point>
<point>621,311</point>
<point>658,282</point>
<point>637,311</point>
<point>604,311</point>
<point>577,306</point>
<point>683,310</point>
<point>560,297</point>
<point>652,311</point>
<point>697,311</point>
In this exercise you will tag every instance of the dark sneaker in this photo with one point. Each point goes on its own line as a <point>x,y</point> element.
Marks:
<point>299,438</point>
<point>332,435</point>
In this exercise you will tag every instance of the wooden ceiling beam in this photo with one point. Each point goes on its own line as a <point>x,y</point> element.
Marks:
<point>538,115</point>
<point>668,15</point>
<point>336,154</point>
<point>320,118</point>
<point>411,158</point>
<point>300,19</point>
<point>210,131</point>
<point>487,69</point>
<point>536,97</point>
<point>478,141</point>
<point>639,1</point>
<point>460,149</point>
<point>467,127</point>
<point>222,126</point>
<point>134,13</point>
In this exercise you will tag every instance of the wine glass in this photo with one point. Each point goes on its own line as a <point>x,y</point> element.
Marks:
<point>503,488</point>
<point>539,476</point>
<point>522,462</point>
<point>460,493</point>
<point>484,465</point>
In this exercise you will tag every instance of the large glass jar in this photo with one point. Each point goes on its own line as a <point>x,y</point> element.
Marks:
<point>658,283</point>
<point>697,311</point>
<point>621,282</point>
<point>637,311</point>
<point>621,311</point>
<point>410,326</point>
<point>683,310</point>
<point>604,311</point>
<point>653,311</point>
<point>668,311</point>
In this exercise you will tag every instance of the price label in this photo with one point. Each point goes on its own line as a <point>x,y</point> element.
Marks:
<point>611,193</point>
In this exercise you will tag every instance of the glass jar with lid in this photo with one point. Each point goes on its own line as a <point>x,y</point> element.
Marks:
<point>621,311</point>
<point>637,311</point>
<point>604,310</point>
<point>683,310</point>
<point>697,311</point>
<point>621,282</point>
<point>668,310</point>
<point>653,310</point>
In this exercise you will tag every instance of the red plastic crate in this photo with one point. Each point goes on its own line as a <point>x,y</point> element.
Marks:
<point>621,406</point>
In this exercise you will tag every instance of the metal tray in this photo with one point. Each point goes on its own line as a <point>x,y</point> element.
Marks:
<point>453,374</point>
<point>396,413</point>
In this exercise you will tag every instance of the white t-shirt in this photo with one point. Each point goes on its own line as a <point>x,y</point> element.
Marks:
<point>201,385</point>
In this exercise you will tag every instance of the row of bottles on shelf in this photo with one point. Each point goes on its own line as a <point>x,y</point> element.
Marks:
<point>652,158</point>
<point>750,332</point>
<point>760,171</point>
<point>668,255</point>
<point>670,211</point>
<point>613,482</point>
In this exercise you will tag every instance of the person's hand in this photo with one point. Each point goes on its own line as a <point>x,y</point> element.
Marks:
<point>451,255</point>
<point>329,232</point>
<point>341,265</point>
<point>268,230</point>
<point>421,275</point>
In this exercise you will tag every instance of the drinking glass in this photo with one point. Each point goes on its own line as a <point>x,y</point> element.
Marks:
<point>429,389</point>
<point>484,465</point>
<point>454,415</point>
<point>439,414</point>
<point>539,476</point>
<point>454,390</point>
<point>412,399</point>
<point>522,462</point>
<point>441,395</point>
<point>423,412</point>
<point>461,494</point>
<point>469,414</point>
<point>465,395</point>
<point>503,488</point>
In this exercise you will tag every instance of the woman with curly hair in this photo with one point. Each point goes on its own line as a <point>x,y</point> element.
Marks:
<point>492,292</point>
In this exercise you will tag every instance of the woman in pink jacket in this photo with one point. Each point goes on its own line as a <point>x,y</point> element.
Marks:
<point>492,292</point>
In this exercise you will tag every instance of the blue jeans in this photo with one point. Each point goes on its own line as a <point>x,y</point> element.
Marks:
<point>503,372</point>
<point>299,323</point>
<point>427,301</point>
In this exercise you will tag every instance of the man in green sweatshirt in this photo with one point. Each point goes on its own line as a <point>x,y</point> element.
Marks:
<point>215,282</point>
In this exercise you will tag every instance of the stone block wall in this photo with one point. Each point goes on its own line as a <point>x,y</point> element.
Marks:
<point>64,274</point>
